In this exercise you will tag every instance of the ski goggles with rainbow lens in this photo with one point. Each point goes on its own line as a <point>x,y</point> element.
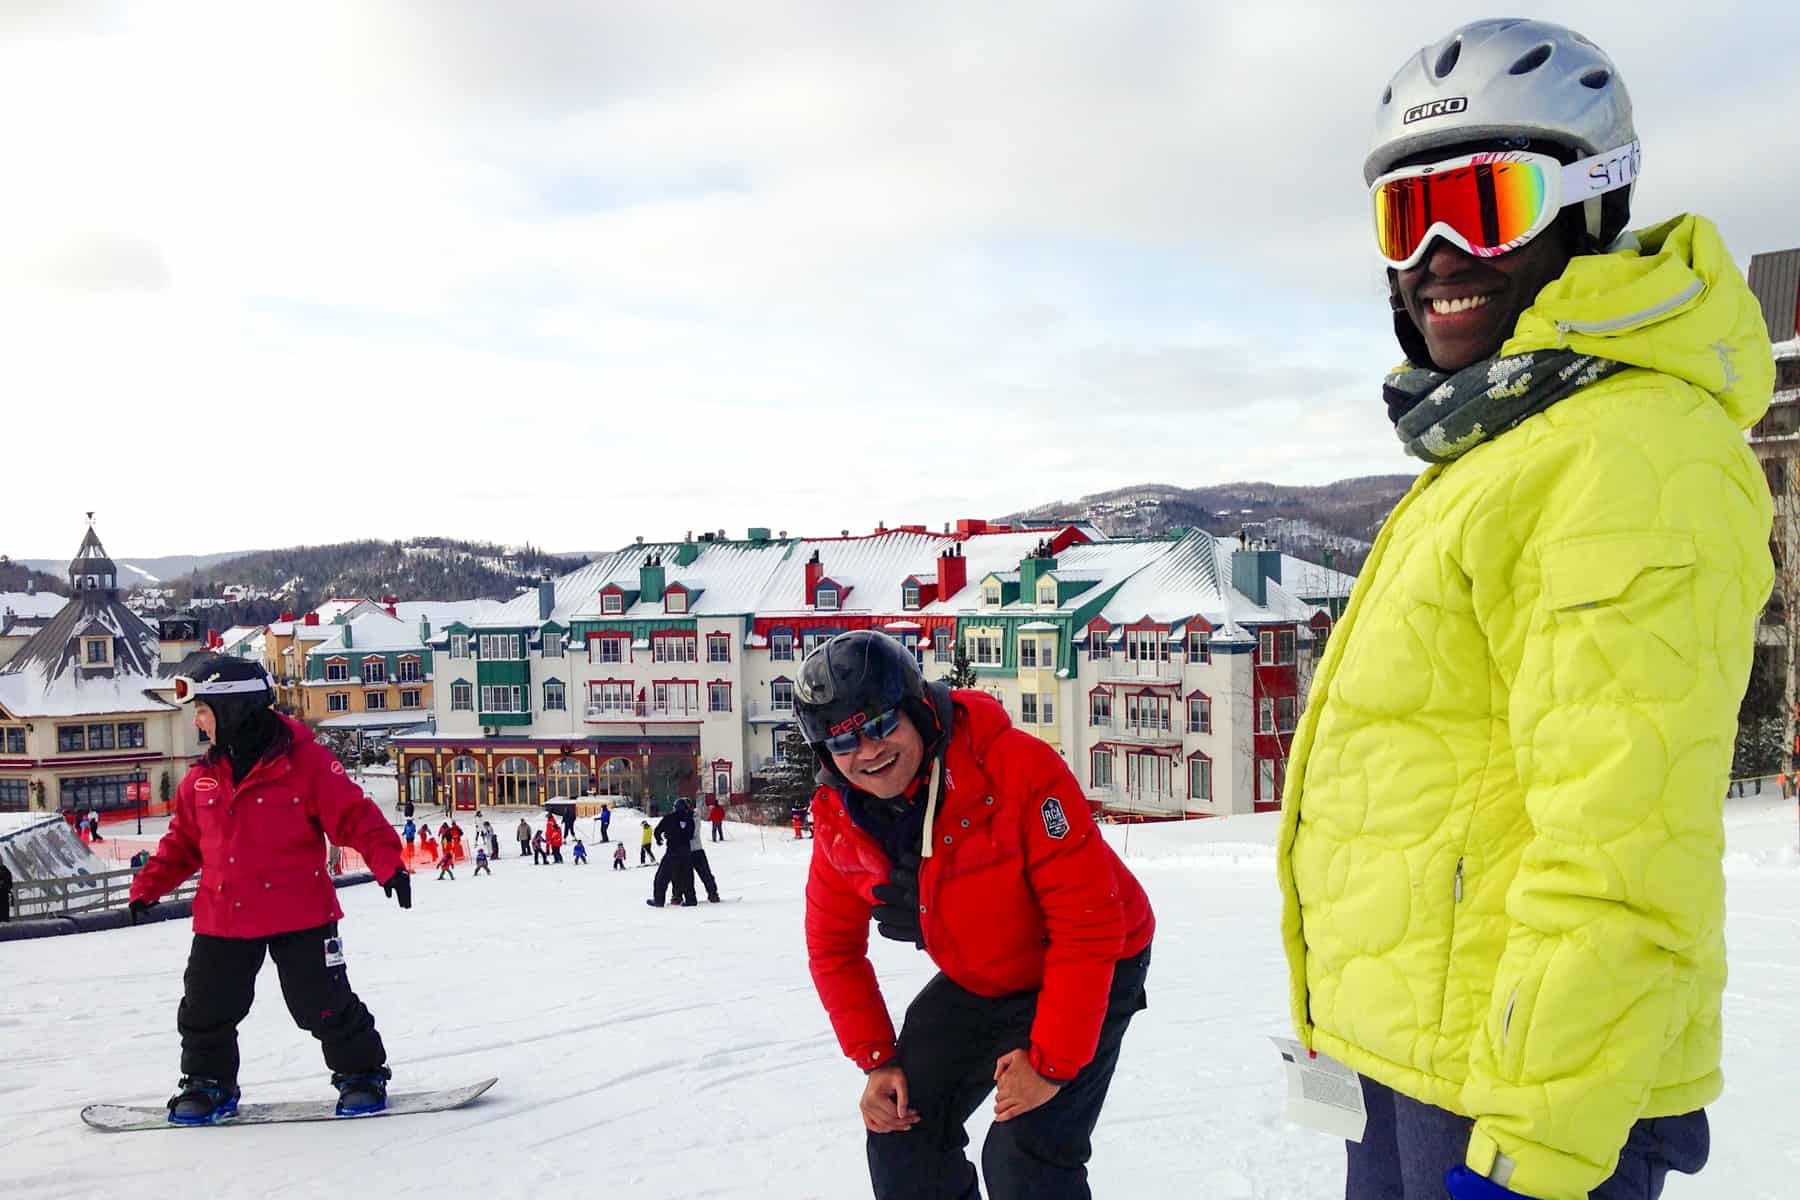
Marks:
<point>875,728</point>
<point>1487,204</point>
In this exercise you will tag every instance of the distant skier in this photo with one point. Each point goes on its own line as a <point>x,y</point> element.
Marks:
<point>408,833</point>
<point>580,853</point>
<point>645,854</point>
<point>481,861</point>
<point>716,815</point>
<point>524,838</point>
<point>618,856</point>
<point>253,815</point>
<point>447,864</point>
<point>538,856</point>
<point>969,839</point>
<point>553,839</point>
<point>605,821</point>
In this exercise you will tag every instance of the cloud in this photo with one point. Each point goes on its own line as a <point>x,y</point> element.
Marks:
<point>659,266</point>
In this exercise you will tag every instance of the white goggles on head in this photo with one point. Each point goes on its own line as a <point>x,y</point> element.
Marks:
<point>188,689</point>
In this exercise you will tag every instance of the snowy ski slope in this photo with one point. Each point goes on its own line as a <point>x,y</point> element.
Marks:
<point>681,1052</point>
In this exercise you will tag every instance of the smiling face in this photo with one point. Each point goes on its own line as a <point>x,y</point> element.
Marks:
<point>886,768</point>
<point>1466,307</point>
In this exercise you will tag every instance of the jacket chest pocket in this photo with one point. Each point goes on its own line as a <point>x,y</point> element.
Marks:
<point>976,843</point>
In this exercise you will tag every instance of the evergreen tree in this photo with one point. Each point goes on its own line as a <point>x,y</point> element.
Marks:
<point>782,784</point>
<point>962,671</point>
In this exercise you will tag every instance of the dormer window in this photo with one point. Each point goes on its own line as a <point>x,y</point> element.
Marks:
<point>612,604</point>
<point>909,596</point>
<point>97,652</point>
<point>990,593</point>
<point>1046,592</point>
<point>826,597</point>
<point>676,600</point>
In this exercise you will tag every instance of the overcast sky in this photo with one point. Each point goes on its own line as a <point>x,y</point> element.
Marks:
<point>574,272</point>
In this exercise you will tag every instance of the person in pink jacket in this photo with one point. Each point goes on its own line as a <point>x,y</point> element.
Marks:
<point>252,817</point>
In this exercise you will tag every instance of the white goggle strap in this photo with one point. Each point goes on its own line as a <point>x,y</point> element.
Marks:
<point>219,687</point>
<point>1591,178</point>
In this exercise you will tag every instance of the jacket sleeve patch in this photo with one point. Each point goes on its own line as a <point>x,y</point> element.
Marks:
<point>1056,822</point>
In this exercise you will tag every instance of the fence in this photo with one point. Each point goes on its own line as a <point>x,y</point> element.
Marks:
<point>73,894</point>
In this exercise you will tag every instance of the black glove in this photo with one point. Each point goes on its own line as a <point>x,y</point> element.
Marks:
<point>897,914</point>
<point>399,885</point>
<point>137,908</point>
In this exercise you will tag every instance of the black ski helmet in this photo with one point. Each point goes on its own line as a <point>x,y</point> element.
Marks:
<point>851,678</point>
<point>233,709</point>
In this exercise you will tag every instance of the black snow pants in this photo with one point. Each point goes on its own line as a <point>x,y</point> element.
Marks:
<point>221,982</point>
<point>676,870</point>
<point>703,869</point>
<point>948,1046</point>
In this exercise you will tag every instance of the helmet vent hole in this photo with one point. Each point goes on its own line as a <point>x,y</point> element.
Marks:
<point>1446,61</point>
<point>1387,97</point>
<point>1531,60</point>
<point>1597,78</point>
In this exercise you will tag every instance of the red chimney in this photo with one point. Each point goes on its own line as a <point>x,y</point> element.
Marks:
<point>213,640</point>
<point>815,571</point>
<point>287,615</point>
<point>969,526</point>
<point>953,573</point>
<point>312,618</point>
<point>392,613</point>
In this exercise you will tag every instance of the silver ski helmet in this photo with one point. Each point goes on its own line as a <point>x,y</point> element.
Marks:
<point>1499,80</point>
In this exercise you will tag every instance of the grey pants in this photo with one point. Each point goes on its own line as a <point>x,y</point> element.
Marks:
<point>1408,1146</point>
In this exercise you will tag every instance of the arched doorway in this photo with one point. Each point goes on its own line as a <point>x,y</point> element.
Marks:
<point>619,777</point>
<point>516,782</point>
<point>421,782</point>
<point>567,779</point>
<point>465,783</point>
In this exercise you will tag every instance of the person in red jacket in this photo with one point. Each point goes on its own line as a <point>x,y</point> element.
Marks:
<point>252,817</point>
<point>972,841</point>
<point>716,815</point>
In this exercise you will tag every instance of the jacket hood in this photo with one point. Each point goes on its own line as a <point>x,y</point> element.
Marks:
<point>1671,300</point>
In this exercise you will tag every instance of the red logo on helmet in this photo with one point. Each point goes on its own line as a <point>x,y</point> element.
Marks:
<point>849,723</point>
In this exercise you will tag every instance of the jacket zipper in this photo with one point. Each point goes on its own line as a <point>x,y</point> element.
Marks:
<point>1459,866</point>
<point>1617,323</point>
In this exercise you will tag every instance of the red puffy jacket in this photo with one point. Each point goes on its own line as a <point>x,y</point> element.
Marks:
<point>260,846</point>
<point>1021,893</point>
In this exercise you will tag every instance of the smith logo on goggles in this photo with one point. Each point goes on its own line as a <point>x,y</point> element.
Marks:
<point>1487,204</point>
<point>187,689</point>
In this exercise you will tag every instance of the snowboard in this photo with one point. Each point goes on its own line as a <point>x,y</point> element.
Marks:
<point>122,1118</point>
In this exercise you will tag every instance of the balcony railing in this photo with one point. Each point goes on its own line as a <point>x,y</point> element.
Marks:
<point>1120,669</point>
<point>645,711</point>
<point>1148,735</point>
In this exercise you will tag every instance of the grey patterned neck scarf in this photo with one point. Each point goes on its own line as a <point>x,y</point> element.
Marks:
<point>1447,415</point>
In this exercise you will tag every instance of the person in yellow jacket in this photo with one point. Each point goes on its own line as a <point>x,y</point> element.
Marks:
<point>1501,839</point>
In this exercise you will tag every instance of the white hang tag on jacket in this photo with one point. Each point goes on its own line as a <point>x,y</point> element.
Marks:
<point>1322,1093</point>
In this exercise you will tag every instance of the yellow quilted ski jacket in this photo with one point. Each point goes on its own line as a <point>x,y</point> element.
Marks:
<point>1501,841</point>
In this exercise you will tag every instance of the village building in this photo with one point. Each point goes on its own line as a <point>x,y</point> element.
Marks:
<point>87,717</point>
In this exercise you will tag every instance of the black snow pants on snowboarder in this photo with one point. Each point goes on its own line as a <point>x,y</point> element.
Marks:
<point>702,868</point>
<point>676,870</point>
<point>221,982</point>
<point>948,1046</point>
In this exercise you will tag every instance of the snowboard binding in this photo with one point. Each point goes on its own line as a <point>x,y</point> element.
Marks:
<point>361,1094</point>
<point>202,1101</point>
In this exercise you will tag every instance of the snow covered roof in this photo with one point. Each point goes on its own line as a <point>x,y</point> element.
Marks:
<point>372,633</point>
<point>51,677</point>
<point>31,604</point>
<point>1313,581</point>
<point>1194,578</point>
<point>446,612</point>
<point>871,568</point>
<point>1037,627</point>
<point>724,578</point>
<point>377,720</point>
